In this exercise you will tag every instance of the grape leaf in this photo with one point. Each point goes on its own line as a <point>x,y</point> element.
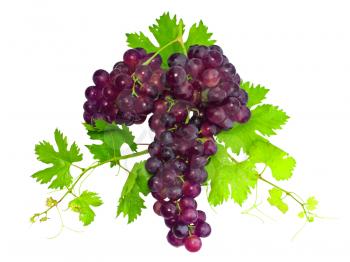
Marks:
<point>229,179</point>
<point>82,205</point>
<point>166,31</point>
<point>140,40</point>
<point>130,201</point>
<point>59,173</point>
<point>199,35</point>
<point>256,94</point>
<point>280,163</point>
<point>112,137</point>
<point>275,199</point>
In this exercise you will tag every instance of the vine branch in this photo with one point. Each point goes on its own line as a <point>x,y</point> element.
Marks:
<point>51,203</point>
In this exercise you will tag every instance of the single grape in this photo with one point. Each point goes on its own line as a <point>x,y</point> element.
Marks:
<point>156,207</point>
<point>201,216</point>
<point>143,73</point>
<point>213,59</point>
<point>90,107</point>
<point>187,202</point>
<point>210,147</point>
<point>194,67</point>
<point>166,138</point>
<point>168,210</point>
<point>180,230</point>
<point>177,59</point>
<point>123,81</point>
<point>216,115</point>
<point>153,164</point>
<point>100,77</point>
<point>176,76</point>
<point>173,240</point>
<point>170,222</point>
<point>131,58</point>
<point>143,104</point>
<point>193,243</point>
<point>210,77</point>
<point>191,189</point>
<point>202,229</point>
<point>155,184</point>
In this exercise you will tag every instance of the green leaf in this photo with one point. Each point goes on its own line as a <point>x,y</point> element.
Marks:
<point>229,179</point>
<point>275,199</point>
<point>112,137</point>
<point>311,203</point>
<point>61,160</point>
<point>130,201</point>
<point>256,94</point>
<point>140,40</point>
<point>280,163</point>
<point>82,205</point>
<point>199,35</point>
<point>166,30</point>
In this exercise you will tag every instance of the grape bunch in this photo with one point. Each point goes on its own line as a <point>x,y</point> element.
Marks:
<point>126,94</point>
<point>193,100</point>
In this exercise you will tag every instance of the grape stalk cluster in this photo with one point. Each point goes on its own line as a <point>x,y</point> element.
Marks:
<point>192,101</point>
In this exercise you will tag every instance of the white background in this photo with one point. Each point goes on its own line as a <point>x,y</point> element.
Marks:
<point>298,49</point>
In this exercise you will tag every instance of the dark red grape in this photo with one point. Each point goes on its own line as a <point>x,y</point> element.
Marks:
<point>193,243</point>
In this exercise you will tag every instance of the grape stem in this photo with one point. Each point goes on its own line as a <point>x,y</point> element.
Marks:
<point>70,189</point>
<point>178,40</point>
<point>289,194</point>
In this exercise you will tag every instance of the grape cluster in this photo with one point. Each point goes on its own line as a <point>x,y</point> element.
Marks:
<point>197,97</point>
<point>126,94</point>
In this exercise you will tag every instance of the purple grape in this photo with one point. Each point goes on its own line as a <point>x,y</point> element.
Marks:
<point>168,210</point>
<point>174,241</point>
<point>202,229</point>
<point>187,202</point>
<point>210,77</point>
<point>213,59</point>
<point>191,189</point>
<point>143,73</point>
<point>153,164</point>
<point>176,76</point>
<point>194,67</point>
<point>193,243</point>
<point>180,230</point>
<point>201,216</point>
<point>156,207</point>
<point>123,81</point>
<point>131,58</point>
<point>101,77</point>
<point>177,59</point>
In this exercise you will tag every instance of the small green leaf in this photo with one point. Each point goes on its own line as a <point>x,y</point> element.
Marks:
<point>275,199</point>
<point>229,179</point>
<point>199,35</point>
<point>59,173</point>
<point>311,203</point>
<point>82,205</point>
<point>112,137</point>
<point>301,214</point>
<point>130,201</point>
<point>280,163</point>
